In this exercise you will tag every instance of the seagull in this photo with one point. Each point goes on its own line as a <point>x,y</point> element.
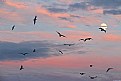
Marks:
<point>23,53</point>
<point>91,65</point>
<point>60,51</point>
<point>69,44</point>
<point>102,29</point>
<point>21,67</point>
<point>35,20</point>
<point>60,35</point>
<point>82,73</point>
<point>34,50</point>
<point>108,69</point>
<point>13,27</point>
<point>93,77</point>
<point>86,39</point>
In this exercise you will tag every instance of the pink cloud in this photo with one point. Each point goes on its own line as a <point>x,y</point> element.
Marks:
<point>71,61</point>
<point>11,16</point>
<point>112,37</point>
<point>18,5</point>
<point>44,11</point>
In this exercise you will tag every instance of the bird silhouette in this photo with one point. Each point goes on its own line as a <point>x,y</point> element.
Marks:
<point>108,69</point>
<point>21,67</point>
<point>13,27</point>
<point>86,39</point>
<point>35,19</point>
<point>102,29</point>
<point>34,50</point>
<point>23,53</point>
<point>60,51</point>
<point>91,65</point>
<point>82,73</point>
<point>69,44</point>
<point>93,77</point>
<point>60,35</point>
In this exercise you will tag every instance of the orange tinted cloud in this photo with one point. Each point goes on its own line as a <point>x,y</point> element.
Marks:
<point>76,35</point>
<point>112,37</point>
<point>70,26</point>
<point>12,16</point>
<point>18,5</point>
<point>90,20</point>
<point>44,11</point>
<point>71,61</point>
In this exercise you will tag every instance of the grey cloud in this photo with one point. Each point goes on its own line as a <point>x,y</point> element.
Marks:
<point>32,76</point>
<point>57,10</point>
<point>44,49</point>
<point>2,3</point>
<point>113,12</point>
<point>106,3</point>
<point>76,6</point>
<point>75,16</point>
<point>10,51</point>
<point>65,18</point>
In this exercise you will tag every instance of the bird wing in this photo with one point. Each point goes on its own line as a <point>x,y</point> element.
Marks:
<point>13,27</point>
<point>63,35</point>
<point>81,39</point>
<point>34,50</point>
<point>61,52</point>
<point>109,69</point>
<point>58,33</point>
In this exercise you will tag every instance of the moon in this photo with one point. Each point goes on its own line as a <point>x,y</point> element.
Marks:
<point>104,26</point>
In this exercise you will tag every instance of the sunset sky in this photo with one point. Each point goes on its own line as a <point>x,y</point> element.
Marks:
<point>76,19</point>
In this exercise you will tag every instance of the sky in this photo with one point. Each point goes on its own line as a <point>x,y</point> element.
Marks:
<point>76,19</point>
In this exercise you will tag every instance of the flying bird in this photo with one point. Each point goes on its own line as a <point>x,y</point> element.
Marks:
<point>93,77</point>
<point>21,67</point>
<point>82,73</point>
<point>108,69</point>
<point>13,27</point>
<point>60,35</point>
<point>91,65</point>
<point>102,29</point>
<point>69,44</point>
<point>35,19</point>
<point>34,50</point>
<point>86,39</point>
<point>60,51</point>
<point>23,53</point>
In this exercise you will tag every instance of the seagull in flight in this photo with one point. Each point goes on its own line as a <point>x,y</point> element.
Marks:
<point>21,67</point>
<point>60,35</point>
<point>91,65</point>
<point>34,50</point>
<point>102,29</point>
<point>93,77</point>
<point>60,51</point>
<point>86,39</point>
<point>108,69</point>
<point>35,19</point>
<point>69,44</point>
<point>23,53</point>
<point>13,27</point>
<point>82,73</point>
